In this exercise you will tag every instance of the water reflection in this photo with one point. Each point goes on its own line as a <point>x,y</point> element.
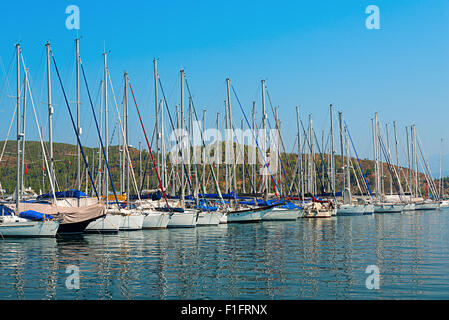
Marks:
<point>304,259</point>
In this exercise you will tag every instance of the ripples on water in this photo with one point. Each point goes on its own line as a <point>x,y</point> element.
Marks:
<point>303,259</point>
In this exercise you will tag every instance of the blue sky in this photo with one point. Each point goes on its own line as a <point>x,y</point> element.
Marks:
<point>311,53</point>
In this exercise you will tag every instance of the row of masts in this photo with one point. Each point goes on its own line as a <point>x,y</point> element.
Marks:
<point>306,164</point>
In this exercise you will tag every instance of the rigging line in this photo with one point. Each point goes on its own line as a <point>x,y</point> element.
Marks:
<point>401,168</point>
<point>192,108</point>
<point>73,124</point>
<point>360,165</point>
<point>286,158</point>
<point>387,158</point>
<point>427,169</point>
<point>147,162</point>
<point>41,139</point>
<point>313,158</point>
<point>6,85</point>
<point>257,143</point>
<point>324,167</point>
<point>99,136</point>
<point>90,123</point>
<point>126,151</point>
<point>177,141</point>
<point>146,138</point>
<point>7,135</point>
<point>271,146</point>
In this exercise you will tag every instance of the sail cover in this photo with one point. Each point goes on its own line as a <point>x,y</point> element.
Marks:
<point>66,214</point>
<point>34,215</point>
<point>72,193</point>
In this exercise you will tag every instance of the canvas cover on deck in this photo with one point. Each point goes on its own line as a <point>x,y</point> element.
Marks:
<point>72,193</point>
<point>67,214</point>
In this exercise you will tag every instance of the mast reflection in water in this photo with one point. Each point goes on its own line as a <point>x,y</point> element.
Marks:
<point>304,259</point>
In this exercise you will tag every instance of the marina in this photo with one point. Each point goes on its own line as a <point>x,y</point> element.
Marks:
<point>188,155</point>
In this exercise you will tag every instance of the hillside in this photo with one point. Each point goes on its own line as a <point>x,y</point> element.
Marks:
<point>65,170</point>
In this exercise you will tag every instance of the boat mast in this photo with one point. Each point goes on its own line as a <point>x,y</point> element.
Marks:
<point>140,161</point>
<point>342,154</point>
<point>217,148</point>
<point>300,175</point>
<point>253,148</point>
<point>441,161</point>
<point>348,169</point>
<point>374,158</point>
<point>126,137</point>
<point>191,144</point>
<point>278,148</point>
<point>18,187</point>
<point>50,115</point>
<point>164,166</point>
<point>106,132</point>
<point>204,153</point>
<point>311,156</point>
<point>78,152</point>
<point>408,162</point>
<point>376,145</point>
<point>264,141</point>
<point>182,139</point>
<point>226,149</point>
<point>397,154</point>
<point>416,159</point>
<point>323,152</point>
<point>332,158</point>
<point>43,166</point>
<point>99,144</point>
<point>234,177</point>
<point>22,173</point>
<point>156,107</point>
<point>176,166</point>
<point>243,161</point>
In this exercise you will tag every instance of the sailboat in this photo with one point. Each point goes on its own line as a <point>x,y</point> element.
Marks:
<point>25,223</point>
<point>381,206</point>
<point>348,208</point>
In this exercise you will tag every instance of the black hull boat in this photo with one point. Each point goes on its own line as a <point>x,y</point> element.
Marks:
<point>74,227</point>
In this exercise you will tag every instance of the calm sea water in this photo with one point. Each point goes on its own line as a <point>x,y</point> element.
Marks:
<point>303,259</point>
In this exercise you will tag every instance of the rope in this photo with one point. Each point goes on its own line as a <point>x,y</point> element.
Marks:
<point>99,136</point>
<point>74,126</point>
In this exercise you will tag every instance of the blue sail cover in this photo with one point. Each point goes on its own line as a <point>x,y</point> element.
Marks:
<point>5,211</point>
<point>204,207</point>
<point>72,193</point>
<point>263,203</point>
<point>34,215</point>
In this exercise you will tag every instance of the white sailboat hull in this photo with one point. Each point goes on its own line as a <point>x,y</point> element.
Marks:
<point>320,213</point>
<point>224,219</point>
<point>155,220</point>
<point>254,215</point>
<point>388,208</point>
<point>444,204</point>
<point>185,219</point>
<point>131,222</point>
<point>427,206</point>
<point>28,229</point>
<point>209,218</point>
<point>282,214</point>
<point>351,210</point>
<point>107,223</point>
<point>369,209</point>
<point>409,207</point>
